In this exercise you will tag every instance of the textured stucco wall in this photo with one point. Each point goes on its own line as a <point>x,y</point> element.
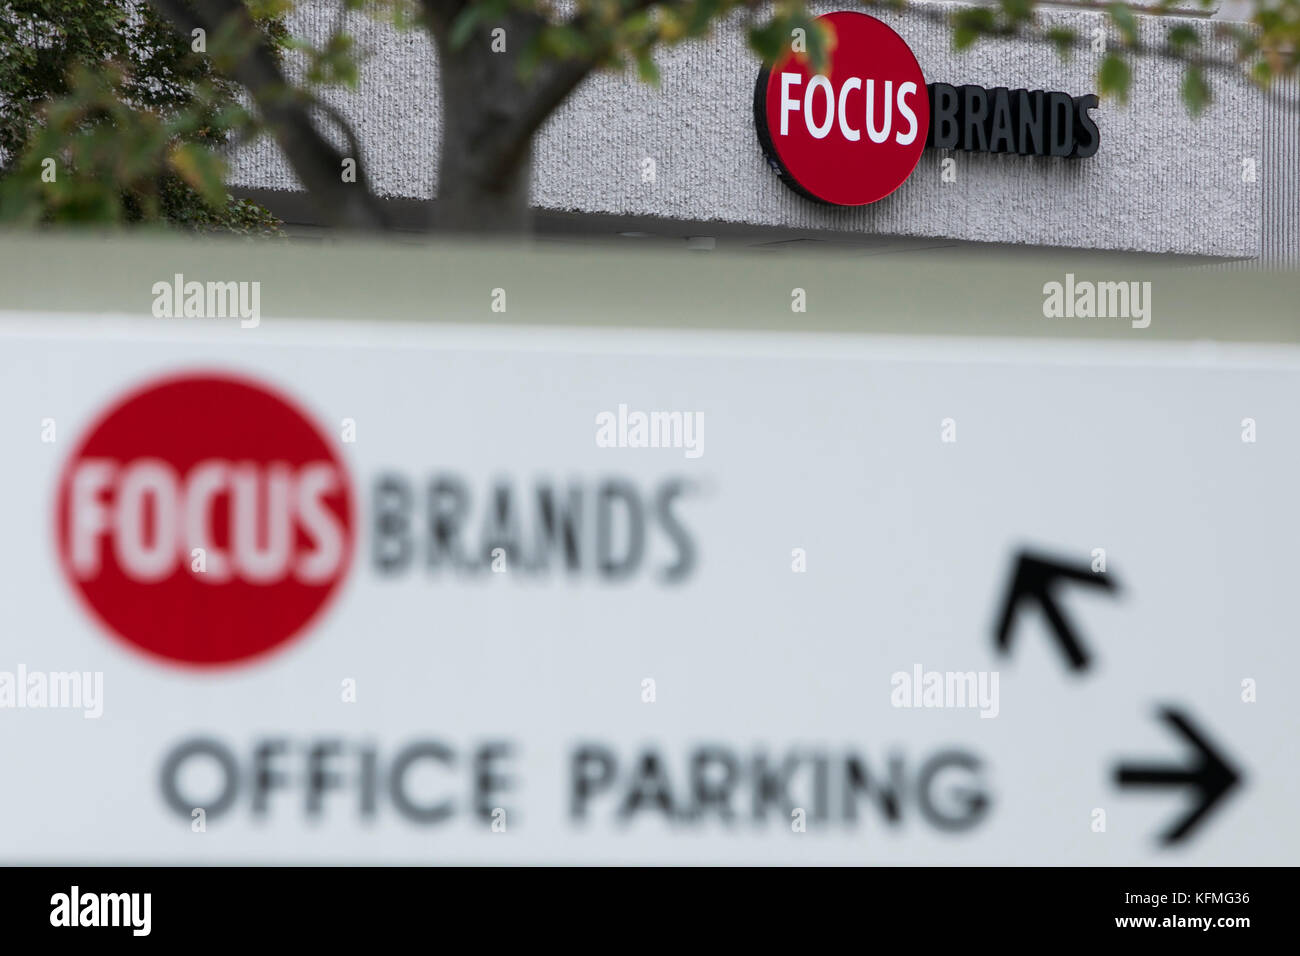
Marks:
<point>1280,175</point>
<point>1161,182</point>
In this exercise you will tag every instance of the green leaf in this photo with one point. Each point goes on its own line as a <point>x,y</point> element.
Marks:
<point>640,24</point>
<point>1114,77</point>
<point>202,170</point>
<point>1123,19</point>
<point>465,24</point>
<point>646,69</point>
<point>970,25</point>
<point>1196,92</point>
<point>1183,37</point>
<point>1063,39</point>
<point>563,42</point>
<point>819,52</point>
<point>1017,11</point>
<point>768,40</point>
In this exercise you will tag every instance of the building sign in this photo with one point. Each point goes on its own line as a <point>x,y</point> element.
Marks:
<point>200,540</point>
<point>852,134</point>
<point>312,592</point>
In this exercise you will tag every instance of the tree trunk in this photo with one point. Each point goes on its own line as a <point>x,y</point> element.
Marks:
<point>484,184</point>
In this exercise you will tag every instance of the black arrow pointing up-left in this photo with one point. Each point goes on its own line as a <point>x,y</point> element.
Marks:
<point>1034,579</point>
<point>1209,776</point>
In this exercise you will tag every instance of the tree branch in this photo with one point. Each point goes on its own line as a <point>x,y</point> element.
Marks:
<point>546,90</point>
<point>315,160</point>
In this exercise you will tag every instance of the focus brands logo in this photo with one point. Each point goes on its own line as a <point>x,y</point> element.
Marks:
<point>853,135</point>
<point>206,520</point>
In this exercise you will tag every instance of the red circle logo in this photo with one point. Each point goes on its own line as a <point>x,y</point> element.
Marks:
<point>853,134</point>
<point>204,519</point>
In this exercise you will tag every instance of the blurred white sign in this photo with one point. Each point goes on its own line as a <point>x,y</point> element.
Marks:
<point>362,592</point>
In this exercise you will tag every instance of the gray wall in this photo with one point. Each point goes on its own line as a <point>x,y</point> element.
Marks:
<point>1280,176</point>
<point>1162,181</point>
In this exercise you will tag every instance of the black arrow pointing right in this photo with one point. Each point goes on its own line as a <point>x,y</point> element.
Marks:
<point>1209,775</point>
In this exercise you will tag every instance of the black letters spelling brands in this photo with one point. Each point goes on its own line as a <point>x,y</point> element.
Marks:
<point>610,529</point>
<point>1028,122</point>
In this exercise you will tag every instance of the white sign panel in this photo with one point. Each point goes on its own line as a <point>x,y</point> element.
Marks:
<point>354,592</point>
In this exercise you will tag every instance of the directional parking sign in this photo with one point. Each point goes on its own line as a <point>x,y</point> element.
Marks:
<point>433,593</point>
